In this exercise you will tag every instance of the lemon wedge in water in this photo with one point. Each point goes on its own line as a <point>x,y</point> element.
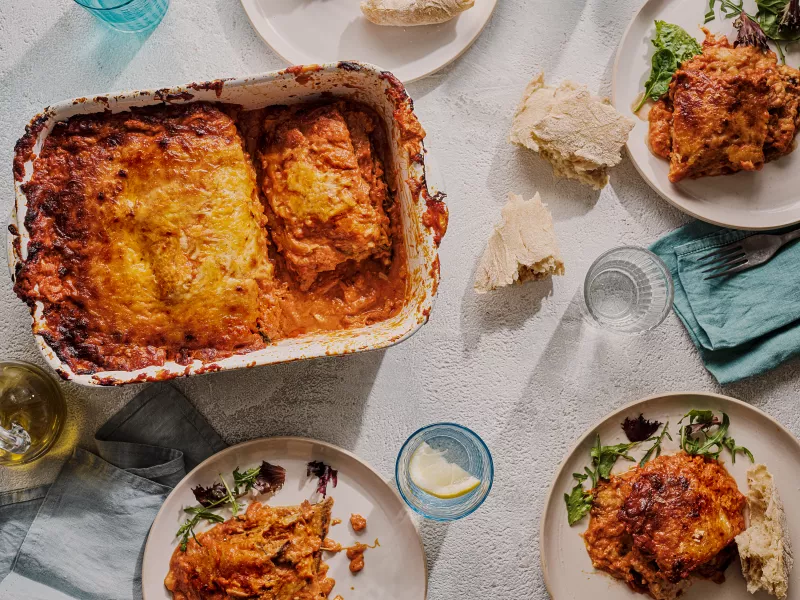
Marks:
<point>431,472</point>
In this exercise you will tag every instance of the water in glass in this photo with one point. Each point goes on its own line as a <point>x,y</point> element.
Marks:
<point>628,290</point>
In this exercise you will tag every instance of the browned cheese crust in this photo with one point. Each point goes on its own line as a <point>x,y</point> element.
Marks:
<point>728,109</point>
<point>266,554</point>
<point>657,526</point>
<point>150,241</point>
<point>325,188</point>
<point>146,239</point>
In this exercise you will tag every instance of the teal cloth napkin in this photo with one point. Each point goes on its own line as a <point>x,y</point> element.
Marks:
<point>82,538</point>
<point>745,324</point>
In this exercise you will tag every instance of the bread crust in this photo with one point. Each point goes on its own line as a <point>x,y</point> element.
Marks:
<point>409,13</point>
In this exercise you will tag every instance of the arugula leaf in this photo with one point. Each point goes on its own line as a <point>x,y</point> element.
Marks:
<point>230,498</point>
<point>656,447</point>
<point>605,457</point>
<point>705,435</point>
<point>730,444</point>
<point>186,530</point>
<point>675,38</point>
<point>578,501</point>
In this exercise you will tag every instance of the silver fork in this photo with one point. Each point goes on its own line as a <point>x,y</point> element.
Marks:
<point>745,254</point>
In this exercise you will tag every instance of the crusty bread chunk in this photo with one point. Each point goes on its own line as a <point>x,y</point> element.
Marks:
<point>764,547</point>
<point>579,134</point>
<point>522,247</point>
<point>405,13</point>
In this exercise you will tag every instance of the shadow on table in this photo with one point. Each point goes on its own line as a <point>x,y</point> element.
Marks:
<point>98,60</point>
<point>506,308</point>
<point>254,52</point>
<point>524,172</point>
<point>433,535</point>
<point>322,399</point>
<point>361,33</point>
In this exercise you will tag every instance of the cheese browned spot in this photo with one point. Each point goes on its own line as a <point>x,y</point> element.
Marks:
<point>659,526</point>
<point>147,239</point>
<point>579,134</point>
<point>521,248</point>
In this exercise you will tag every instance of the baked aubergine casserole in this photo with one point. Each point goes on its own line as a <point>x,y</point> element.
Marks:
<point>186,233</point>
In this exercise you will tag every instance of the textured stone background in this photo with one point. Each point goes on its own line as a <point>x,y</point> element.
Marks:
<point>518,366</point>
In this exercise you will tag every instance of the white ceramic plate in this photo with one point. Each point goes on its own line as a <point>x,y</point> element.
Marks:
<point>318,31</point>
<point>746,200</point>
<point>397,569</point>
<point>568,572</point>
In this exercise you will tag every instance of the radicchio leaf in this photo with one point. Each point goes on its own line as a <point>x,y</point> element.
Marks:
<point>638,430</point>
<point>790,19</point>
<point>270,478</point>
<point>750,33</point>
<point>325,473</point>
<point>208,496</point>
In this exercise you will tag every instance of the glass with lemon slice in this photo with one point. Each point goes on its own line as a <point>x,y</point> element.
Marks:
<point>444,471</point>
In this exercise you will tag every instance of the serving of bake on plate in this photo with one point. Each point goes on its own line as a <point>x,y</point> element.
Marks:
<point>284,519</point>
<point>717,111</point>
<point>679,495</point>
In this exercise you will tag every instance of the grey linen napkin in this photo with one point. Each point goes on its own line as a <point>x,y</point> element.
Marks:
<point>83,537</point>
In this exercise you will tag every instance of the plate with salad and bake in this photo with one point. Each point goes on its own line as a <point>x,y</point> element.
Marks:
<point>284,518</point>
<point>686,495</point>
<point>715,87</point>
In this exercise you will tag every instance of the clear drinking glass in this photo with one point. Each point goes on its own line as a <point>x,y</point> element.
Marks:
<point>461,446</point>
<point>628,290</point>
<point>127,15</point>
<point>32,413</point>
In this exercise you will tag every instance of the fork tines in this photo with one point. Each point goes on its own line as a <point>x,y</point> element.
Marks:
<point>723,261</point>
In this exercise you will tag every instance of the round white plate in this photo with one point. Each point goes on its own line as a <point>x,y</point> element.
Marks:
<point>568,571</point>
<point>763,199</point>
<point>319,31</point>
<point>396,569</point>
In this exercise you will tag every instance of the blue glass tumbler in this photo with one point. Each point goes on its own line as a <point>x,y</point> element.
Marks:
<point>127,15</point>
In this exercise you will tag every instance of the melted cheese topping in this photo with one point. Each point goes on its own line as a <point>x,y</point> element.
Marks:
<point>150,242</point>
<point>147,240</point>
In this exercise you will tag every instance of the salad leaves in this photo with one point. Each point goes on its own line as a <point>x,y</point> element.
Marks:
<point>579,500</point>
<point>705,435</point>
<point>673,47</point>
<point>264,479</point>
<point>778,20</point>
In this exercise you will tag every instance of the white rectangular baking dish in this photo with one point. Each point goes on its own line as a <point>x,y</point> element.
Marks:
<point>423,213</point>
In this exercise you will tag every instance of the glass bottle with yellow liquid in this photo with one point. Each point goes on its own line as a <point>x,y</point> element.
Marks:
<point>32,412</point>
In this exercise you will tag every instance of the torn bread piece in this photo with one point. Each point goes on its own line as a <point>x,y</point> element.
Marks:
<point>405,13</point>
<point>764,547</point>
<point>579,134</point>
<point>521,248</point>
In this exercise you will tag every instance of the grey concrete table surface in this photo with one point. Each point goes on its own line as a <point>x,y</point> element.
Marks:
<point>518,366</point>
